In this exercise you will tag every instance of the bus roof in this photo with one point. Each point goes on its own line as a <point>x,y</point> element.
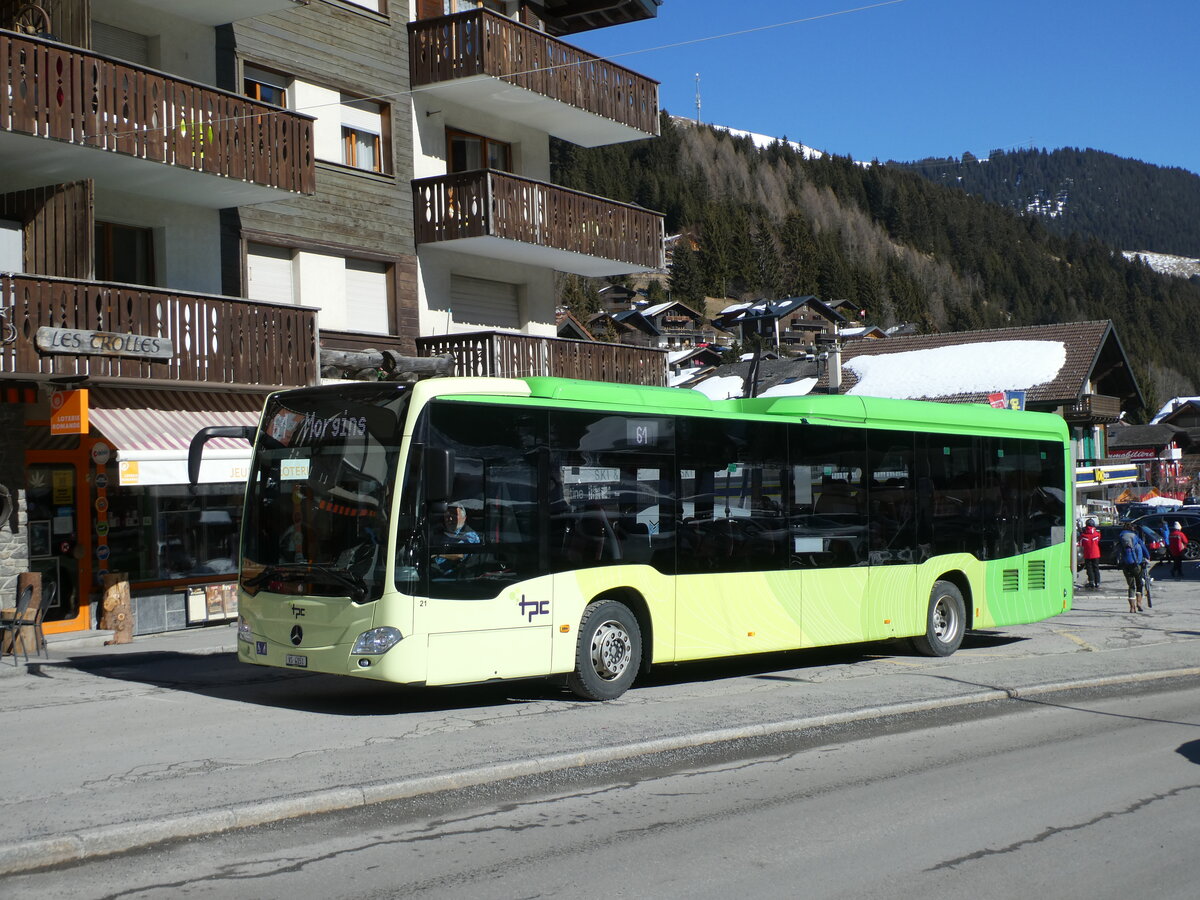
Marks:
<point>878,412</point>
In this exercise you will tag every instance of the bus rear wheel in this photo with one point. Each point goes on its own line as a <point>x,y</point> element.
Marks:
<point>608,651</point>
<point>945,621</point>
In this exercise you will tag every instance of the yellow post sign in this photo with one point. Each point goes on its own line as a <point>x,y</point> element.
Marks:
<point>69,412</point>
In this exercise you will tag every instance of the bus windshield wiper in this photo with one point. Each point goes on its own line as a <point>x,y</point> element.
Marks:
<point>300,571</point>
<point>344,577</point>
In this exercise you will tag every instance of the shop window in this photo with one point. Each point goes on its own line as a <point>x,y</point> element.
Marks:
<point>124,254</point>
<point>468,152</point>
<point>167,532</point>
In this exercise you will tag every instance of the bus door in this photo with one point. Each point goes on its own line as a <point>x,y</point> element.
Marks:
<point>828,519</point>
<point>484,596</point>
<point>892,545</point>
<point>737,589</point>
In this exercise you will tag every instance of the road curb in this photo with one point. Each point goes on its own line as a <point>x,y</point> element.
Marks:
<point>107,840</point>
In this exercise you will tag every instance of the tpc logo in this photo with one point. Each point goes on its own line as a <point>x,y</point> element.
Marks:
<point>531,608</point>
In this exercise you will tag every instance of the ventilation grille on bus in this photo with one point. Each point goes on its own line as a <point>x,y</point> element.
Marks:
<point>1036,575</point>
<point>1010,580</point>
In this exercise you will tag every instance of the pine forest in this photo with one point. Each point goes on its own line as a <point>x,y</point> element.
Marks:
<point>909,247</point>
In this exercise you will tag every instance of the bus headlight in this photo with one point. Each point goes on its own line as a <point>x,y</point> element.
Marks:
<point>244,633</point>
<point>377,641</point>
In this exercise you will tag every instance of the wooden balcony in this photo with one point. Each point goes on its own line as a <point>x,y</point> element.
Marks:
<point>165,137</point>
<point>507,355</point>
<point>1093,409</point>
<point>502,216</point>
<point>217,340</point>
<point>500,67</point>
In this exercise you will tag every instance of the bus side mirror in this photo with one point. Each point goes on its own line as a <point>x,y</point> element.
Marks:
<point>204,435</point>
<point>439,473</point>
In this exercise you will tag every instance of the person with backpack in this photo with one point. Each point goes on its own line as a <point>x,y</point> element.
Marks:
<point>1177,547</point>
<point>1131,553</point>
<point>1089,542</point>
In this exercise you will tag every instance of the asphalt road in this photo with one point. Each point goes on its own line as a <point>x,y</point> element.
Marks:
<point>170,737</point>
<point>1084,793</point>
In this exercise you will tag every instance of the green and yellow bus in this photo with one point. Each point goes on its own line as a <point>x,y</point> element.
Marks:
<point>464,530</point>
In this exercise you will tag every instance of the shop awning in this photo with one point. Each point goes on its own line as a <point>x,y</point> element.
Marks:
<point>150,432</point>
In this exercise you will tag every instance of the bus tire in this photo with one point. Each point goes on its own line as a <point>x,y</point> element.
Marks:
<point>945,621</point>
<point>608,651</point>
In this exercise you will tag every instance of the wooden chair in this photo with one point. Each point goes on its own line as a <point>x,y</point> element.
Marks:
<point>11,626</point>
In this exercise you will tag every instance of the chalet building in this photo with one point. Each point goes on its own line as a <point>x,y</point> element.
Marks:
<point>679,326</point>
<point>198,197</point>
<point>862,333</point>
<point>794,323</point>
<point>618,298</point>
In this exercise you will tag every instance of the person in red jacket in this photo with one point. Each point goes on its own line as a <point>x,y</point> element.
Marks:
<point>1177,547</point>
<point>1089,540</point>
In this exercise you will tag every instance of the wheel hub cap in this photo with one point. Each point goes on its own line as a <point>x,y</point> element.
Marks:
<point>611,649</point>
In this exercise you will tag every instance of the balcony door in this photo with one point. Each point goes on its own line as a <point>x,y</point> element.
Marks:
<point>124,254</point>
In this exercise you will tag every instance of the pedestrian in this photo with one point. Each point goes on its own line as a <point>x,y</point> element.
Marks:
<point>1177,547</point>
<point>1089,542</point>
<point>1131,553</point>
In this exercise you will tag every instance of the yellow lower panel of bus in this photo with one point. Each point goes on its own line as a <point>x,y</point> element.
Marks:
<point>467,656</point>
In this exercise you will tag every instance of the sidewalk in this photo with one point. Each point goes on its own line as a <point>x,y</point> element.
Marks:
<point>91,645</point>
<point>170,737</point>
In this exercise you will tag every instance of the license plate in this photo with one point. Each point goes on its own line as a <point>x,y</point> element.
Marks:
<point>292,660</point>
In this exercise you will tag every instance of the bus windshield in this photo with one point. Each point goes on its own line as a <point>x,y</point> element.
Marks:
<point>319,494</point>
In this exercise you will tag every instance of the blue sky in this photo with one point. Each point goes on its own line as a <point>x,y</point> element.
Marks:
<point>916,78</point>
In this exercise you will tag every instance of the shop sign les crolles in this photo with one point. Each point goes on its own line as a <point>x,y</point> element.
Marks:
<point>103,343</point>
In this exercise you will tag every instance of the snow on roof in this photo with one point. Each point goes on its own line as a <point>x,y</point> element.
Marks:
<point>1170,406</point>
<point>722,387</point>
<point>676,355</point>
<point>961,369</point>
<point>657,308</point>
<point>735,308</point>
<point>678,379</point>
<point>797,388</point>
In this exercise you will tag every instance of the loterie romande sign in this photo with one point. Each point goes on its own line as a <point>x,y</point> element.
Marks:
<point>103,343</point>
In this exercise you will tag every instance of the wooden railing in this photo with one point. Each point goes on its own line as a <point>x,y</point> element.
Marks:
<point>62,93</point>
<point>217,340</point>
<point>508,355</point>
<point>488,203</point>
<point>1097,408</point>
<point>483,43</point>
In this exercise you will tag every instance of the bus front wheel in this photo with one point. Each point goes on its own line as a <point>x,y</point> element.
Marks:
<point>608,651</point>
<point>945,621</point>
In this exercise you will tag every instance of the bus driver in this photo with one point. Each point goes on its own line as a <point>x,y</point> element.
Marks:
<point>455,530</point>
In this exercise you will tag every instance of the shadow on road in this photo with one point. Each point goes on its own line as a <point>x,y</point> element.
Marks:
<point>1190,751</point>
<point>221,676</point>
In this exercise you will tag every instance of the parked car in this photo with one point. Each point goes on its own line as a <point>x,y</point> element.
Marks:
<point>1189,522</point>
<point>1108,542</point>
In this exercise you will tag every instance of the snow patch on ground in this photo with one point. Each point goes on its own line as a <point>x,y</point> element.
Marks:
<point>1165,263</point>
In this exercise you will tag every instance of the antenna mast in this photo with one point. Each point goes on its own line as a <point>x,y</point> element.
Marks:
<point>697,98</point>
